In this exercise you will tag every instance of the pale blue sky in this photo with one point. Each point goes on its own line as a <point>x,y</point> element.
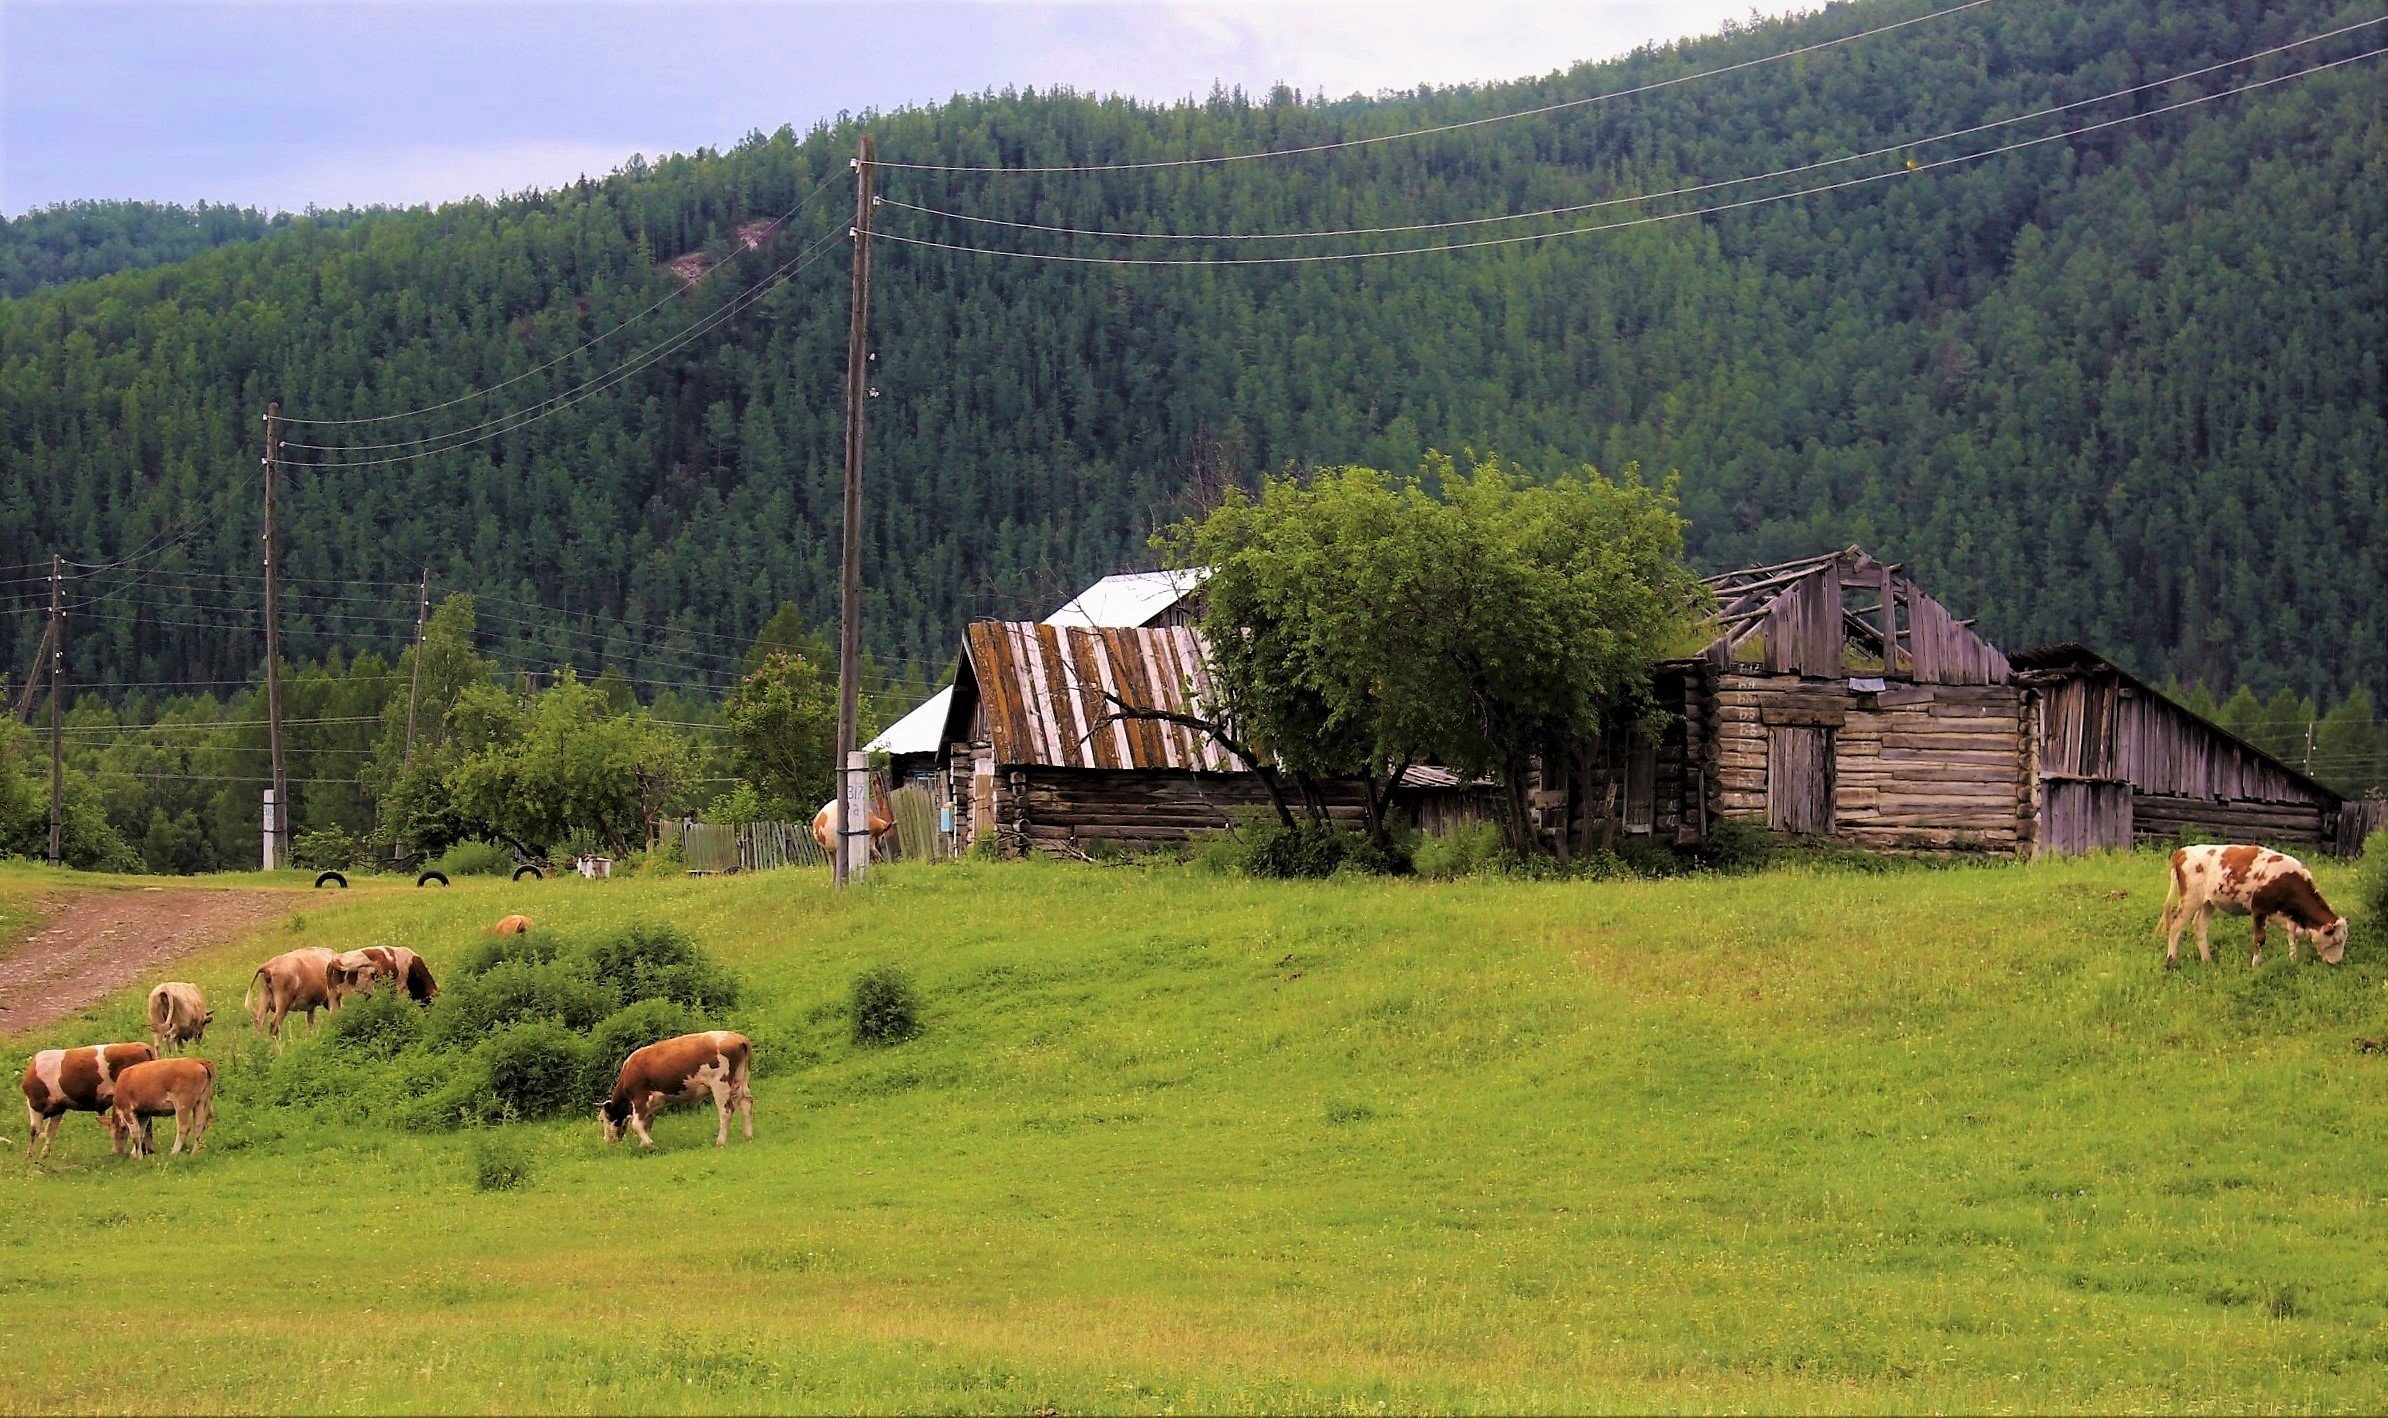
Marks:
<point>280,105</point>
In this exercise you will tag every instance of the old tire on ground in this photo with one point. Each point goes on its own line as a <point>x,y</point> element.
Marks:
<point>530,871</point>
<point>330,878</point>
<point>431,876</point>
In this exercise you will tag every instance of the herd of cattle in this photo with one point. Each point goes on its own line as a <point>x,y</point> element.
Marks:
<point>131,1085</point>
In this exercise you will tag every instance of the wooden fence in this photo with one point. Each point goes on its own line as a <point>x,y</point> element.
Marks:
<point>715,848</point>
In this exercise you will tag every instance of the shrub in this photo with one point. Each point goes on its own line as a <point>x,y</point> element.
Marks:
<point>475,859</point>
<point>631,1029</point>
<point>1307,850</point>
<point>500,1163</point>
<point>489,952</point>
<point>1737,844</point>
<point>376,1026</point>
<point>2371,891</point>
<point>885,1008</point>
<point>1467,849</point>
<point>326,848</point>
<point>537,1069</point>
<point>648,960</point>
<point>518,992</point>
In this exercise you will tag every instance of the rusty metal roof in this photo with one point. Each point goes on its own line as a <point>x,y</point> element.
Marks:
<point>1043,689</point>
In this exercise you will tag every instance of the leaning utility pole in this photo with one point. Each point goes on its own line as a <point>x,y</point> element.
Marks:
<point>57,692</point>
<point>414,686</point>
<point>277,801</point>
<point>851,786</point>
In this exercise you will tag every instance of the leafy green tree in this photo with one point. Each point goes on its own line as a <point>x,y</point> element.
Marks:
<point>566,764</point>
<point>783,734</point>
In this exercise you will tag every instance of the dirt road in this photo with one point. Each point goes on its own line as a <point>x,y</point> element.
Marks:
<point>90,945</point>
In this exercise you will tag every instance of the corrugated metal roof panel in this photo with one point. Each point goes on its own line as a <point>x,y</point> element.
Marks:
<point>1048,693</point>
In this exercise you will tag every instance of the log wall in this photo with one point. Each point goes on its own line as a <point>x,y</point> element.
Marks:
<point>1931,767</point>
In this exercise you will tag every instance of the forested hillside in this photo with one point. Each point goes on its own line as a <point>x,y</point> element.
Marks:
<point>79,241</point>
<point>2123,388</point>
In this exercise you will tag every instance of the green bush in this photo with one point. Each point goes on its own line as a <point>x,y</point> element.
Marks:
<point>1467,849</point>
<point>332,848</point>
<point>517,992</point>
<point>377,1026</point>
<point>2371,891</point>
<point>537,1069</point>
<point>631,1029</point>
<point>1737,844</point>
<point>885,1009</point>
<point>500,1163</point>
<point>650,960</point>
<point>1265,847</point>
<point>475,859</point>
<point>489,952</point>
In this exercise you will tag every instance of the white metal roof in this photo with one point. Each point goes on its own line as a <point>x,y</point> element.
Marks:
<point>917,731</point>
<point>1128,600</point>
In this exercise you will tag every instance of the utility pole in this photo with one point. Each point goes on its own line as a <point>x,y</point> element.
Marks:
<point>845,862</point>
<point>414,687</point>
<point>277,806</point>
<point>57,693</point>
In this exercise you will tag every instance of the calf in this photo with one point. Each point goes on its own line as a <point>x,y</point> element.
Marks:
<point>2247,881</point>
<point>677,1071</point>
<point>360,970</point>
<point>294,981</point>
<point>513,925</point>
<point>184,1087</point>
<point>62,1081</point>
<point>177,1015</point>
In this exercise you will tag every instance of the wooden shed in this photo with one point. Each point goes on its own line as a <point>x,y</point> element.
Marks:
<point>2117,762</point>
<point>1048,769</point>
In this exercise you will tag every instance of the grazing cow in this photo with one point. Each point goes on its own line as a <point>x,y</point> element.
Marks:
<point>678,1071</point>
<point>513,925</point>
<point>358,971</point>
<point>2247,881</point>
<point>296,980</point>
<point>177,1014</point>
<point>62,1081</point>
<point>184,1087</point>
<point>882,822</point>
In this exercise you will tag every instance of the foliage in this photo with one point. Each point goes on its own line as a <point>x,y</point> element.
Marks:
<point>537,1068</point>
<point>79,241</point>
<point>884,1006</point>
<point>630,1029</point>
<point>570,761</point>
<point>1465,849</point>
<point>1361,623</point>
<point>329,846</point>
<point>2371,896</point>
<point>378,1025</point>
<point>474,859</point>
<point>648,960</point>
<point>501,1162</point>
<point>783,734</point>
<point>86,839</point>
<point>1265,847</point>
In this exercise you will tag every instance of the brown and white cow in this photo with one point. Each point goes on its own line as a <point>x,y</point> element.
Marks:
<point>178,1014</point>
<point>184,1087</point>
<point>882,822</point>
<point>62,1081</point>
<point>296,981</point>
<point>513,925</point>
<point>678,1071</point>
<point>2247,881</point>
<point>357,971</point>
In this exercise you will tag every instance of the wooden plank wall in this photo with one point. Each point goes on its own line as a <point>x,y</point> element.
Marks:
<point>1660,791</point>
<point>1917,766</point>
<point>1138,810</point>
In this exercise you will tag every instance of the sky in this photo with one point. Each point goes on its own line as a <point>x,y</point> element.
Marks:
<point>284,105</point>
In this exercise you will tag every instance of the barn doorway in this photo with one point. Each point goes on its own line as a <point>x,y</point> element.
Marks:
<point>1799,780</point>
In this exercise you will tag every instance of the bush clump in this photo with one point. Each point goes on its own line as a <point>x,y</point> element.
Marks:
<point>2371,890</point>
<point>885,1008</point>
<point>475,859</point>
<point>1261,845</point>
<point>646,960</point>
<point>332,848</point>
<point>537,1069</point>
<point>517,992</point>
<point>500,1163</point>
<point>379,1026</point>
<point>489,952</point>
<point>1466,849</point>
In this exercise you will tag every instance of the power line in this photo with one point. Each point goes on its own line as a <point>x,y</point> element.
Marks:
<point>557,403</point>
<point>1910,170</point>
<point>775,225</point>
<point>1447,127</point>
<point>1694,189</point>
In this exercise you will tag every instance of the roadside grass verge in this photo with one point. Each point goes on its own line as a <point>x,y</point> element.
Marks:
<point>1806,1139</point>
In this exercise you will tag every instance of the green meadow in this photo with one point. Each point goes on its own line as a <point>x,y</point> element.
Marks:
<point>1813,1138</point>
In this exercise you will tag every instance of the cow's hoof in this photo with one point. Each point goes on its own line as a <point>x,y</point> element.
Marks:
<point>2171,964</point>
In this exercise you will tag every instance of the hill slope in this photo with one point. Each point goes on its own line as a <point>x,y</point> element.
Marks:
<point>2124,387</point>
<point>1925,1140</point>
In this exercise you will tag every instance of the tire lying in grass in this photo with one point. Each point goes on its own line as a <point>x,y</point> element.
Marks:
<point>530,871</point>
<point>330,878</point>
<point>431,876</point>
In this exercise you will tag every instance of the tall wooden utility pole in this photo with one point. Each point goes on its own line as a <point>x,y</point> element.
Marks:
<point>414,693</point>
<point>850,786</point>
<point>57,693</point>
<point>277,825</point>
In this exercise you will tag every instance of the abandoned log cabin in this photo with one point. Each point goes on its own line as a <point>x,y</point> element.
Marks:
<point>1839,700</point>
<point>1039,760</point>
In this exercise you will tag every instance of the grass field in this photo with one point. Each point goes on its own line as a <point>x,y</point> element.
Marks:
<point>1805,1139</point>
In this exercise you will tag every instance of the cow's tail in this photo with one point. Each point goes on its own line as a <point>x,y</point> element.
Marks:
<point>2172,898</point>
<point>161,1011</point>
<point>252,1001</point>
